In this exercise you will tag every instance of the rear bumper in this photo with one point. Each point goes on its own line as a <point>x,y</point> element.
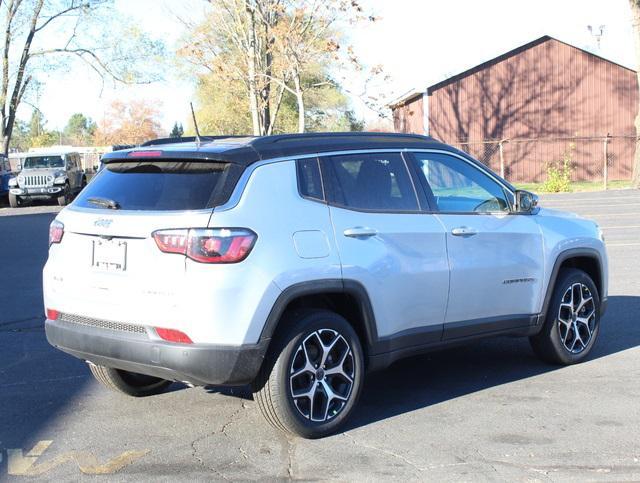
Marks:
<point>199,364</point>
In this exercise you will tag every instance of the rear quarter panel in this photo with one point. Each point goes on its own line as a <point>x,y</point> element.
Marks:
<point>295,244</point>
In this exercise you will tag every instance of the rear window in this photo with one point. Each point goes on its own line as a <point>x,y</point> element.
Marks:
<point>160,185</point>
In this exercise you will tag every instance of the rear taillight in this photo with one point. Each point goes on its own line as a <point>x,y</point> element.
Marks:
<point>172,335</point>
<point>52,314</point>
<point>56,230</point>
<point>208,245</point>
<point>172,241</point>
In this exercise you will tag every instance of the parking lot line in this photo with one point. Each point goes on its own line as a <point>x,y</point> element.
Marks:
<point>609,214</point>
<point>578,201</point>
<point>633,244</point>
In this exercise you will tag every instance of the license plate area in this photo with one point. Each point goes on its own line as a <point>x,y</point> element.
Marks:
<point>109,255</point>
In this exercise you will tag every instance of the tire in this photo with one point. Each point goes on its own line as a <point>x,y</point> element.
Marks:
<point>129,383</point>
<point>273,389</point>
<point>571,341</point>
<point>14,201</point>
<point>64,198</point>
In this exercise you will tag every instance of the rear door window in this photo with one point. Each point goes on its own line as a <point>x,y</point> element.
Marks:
<point>161,185</point>
<point>371,182</point>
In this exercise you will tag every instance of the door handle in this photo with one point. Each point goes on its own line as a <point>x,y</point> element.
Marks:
<point>360,232</point>
<point>464,231</point>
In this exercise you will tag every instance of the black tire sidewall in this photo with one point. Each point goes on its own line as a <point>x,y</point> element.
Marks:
<point>63,199</point>
<point>306,325</point>
<point>569,277</point>
<point>14,201</point>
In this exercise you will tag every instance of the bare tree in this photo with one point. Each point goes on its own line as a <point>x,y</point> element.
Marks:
<point>635,12</point>
<point>275,47</point>
<point>237,42</point>
<point>39,33</point>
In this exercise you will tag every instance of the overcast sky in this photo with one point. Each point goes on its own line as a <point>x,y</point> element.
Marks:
<point>419,42</point>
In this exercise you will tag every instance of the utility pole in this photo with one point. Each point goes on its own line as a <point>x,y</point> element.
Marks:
<point>596,34</point>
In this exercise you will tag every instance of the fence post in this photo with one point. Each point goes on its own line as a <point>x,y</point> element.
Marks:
<point>605,167</point>
<point>501,150</point>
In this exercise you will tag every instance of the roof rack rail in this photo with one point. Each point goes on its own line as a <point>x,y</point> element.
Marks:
<point>185,139</point>
<point>263,140</point>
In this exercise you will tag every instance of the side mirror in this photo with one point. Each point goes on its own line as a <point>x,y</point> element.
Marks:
<point>526,202</point>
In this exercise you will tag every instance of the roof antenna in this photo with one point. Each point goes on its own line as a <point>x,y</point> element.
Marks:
<point>195,123</point>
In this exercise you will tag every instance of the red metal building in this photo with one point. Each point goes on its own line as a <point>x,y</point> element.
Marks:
<point>543,99</point>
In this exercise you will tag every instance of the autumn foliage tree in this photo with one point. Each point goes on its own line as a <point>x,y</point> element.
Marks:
<point>273,52</point>
<point>131,122</point>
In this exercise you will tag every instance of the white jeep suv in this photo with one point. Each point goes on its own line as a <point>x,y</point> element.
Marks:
<point>296,263</point>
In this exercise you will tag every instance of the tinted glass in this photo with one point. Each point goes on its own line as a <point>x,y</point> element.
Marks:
<point>458,186</point>
<point>309,180</point>
<point>34,162</point>
<point>157,186</point>
<point>370,181</point>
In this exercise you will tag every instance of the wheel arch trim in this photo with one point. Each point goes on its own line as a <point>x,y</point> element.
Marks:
<point>560,260</point>
<point>319,287</point>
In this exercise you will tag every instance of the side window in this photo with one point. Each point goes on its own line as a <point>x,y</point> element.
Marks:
<point>371,181</point>
<point>460,187</point>
<point>309,179</point>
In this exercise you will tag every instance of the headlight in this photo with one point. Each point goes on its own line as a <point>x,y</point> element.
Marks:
<point>20,180</point>
<point>13,182</point>
<point>600,233</point>
<point>60,180</point>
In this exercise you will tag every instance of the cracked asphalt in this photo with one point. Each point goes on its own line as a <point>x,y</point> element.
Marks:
<point>484,412</point>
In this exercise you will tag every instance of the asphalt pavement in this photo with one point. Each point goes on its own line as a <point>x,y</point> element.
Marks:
<point>484,412</point>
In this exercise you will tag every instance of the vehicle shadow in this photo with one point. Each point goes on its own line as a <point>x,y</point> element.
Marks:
<point>37,382</point>
<point>423,381</point>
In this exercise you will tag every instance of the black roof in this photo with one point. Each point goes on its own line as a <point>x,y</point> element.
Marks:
<point>246,150</point>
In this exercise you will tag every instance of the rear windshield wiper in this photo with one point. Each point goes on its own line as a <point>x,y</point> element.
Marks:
<point>104,203</point>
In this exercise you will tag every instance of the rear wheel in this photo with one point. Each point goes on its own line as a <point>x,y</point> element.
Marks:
<point>310,383</point>
<point>14,201</point>
<point>129,383</point>
<point>573,320</point>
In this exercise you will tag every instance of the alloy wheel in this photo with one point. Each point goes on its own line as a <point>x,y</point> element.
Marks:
<point>321,375</point>
<point>576,318</point>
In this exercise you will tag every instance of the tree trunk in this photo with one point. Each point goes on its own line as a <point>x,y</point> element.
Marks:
<point>300,102</point>
<point>635,11</point>
<point>251,65</point>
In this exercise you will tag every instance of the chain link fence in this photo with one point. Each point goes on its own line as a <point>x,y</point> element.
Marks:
<point>590,158</point>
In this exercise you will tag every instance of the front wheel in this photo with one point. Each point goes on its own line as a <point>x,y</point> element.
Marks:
<point>310,383</point>
<point>63,199</point>
<point>129,383</point>
<point>573,320</point>
<point>14,201</point>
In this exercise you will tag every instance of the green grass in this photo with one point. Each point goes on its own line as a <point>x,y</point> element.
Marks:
<point>577,186</point>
